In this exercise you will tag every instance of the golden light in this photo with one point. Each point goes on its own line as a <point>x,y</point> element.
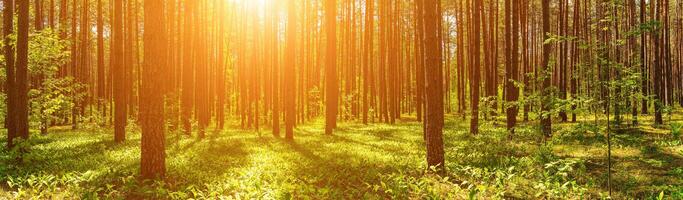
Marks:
<point>259,4</point>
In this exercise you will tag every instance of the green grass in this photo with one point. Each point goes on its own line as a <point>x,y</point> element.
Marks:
<point>375,161</point>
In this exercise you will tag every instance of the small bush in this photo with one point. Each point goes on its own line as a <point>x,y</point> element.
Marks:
<point>676,130</point>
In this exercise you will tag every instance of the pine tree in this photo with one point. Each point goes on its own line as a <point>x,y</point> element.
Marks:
<point>331,83</point>
<point>152,157</point>
<point>120,98</point>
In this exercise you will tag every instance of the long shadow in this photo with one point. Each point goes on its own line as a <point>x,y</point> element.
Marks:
<point>338,171</point>
<point>343,138</point>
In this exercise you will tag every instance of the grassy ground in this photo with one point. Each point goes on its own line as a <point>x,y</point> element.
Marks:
<point>373,161</point>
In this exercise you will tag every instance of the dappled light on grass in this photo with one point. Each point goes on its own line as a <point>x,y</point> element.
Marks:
<point>360,161</point>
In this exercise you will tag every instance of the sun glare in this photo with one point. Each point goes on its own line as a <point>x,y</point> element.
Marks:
<point>253,3</point>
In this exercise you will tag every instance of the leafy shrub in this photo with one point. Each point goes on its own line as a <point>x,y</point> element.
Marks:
<point>3,107</point>
<point>544,154</point>
<point>54,97</point>
<point>559,180</point>
<point>676,130</point>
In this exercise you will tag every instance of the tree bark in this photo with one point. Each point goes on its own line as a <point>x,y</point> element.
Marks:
<point>188,68</point>
<point>331,85</point>
<point>434,85</point>
<point>290,71</point>
<point>475,47</point>
<point>546,122</point>
<point>152,158</point>
<point>8,30</point>
<point>120,98</point>
<point>22,128</point>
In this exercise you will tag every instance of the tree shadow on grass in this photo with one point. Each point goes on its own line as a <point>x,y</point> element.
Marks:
<point>636,176</point>
<point>338,172</point>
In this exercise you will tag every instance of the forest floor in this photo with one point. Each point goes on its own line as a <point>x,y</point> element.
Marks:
<point>375,161</point>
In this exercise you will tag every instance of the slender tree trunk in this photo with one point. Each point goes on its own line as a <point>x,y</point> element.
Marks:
<point>644,69</point>
<point>188,68</point>
<point>367,57</point>
<point>8,31</point>
<point>120,98</point>
<point>22,128</point>
<point>420,59</point>
<point>331,85</point>
<point>38,14</point>
<point>220,73</point>
<point>289,71</point>
<point>545,71</point>
<point>51,15</point>
<point>275,62</point>
<point>658,83</point>
<point>512,71</point>
<point>475,47</point>
<point>100,62</point>
<point>202,71</point>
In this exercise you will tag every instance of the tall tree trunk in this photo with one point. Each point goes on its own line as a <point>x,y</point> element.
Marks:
<point>188,68</point>
<point>275,62</point>
<point>22,128</point>
<point>152,157</point>
<point>644,69</point>
<point>100,61</point>
<point>8,31</point>
<point>475,47</point>
<point>202,70</point>
<point>367,57</point>
<point>290,70</point>
<point>657,82</point>
<point>51,15</point>
<point>120,98</point>
<point>434,87</point>
<point>419,59</point>
<point>512,71</point>
<point>331,85</point>
<point>38,14</point>
<point>546,122</point>
<point>220,71</point>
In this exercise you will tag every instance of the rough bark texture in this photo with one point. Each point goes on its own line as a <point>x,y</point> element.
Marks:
<point>152,158</point>
<point>433,84</point>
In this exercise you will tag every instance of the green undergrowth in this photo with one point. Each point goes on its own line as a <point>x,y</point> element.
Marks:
<point>374,161</point>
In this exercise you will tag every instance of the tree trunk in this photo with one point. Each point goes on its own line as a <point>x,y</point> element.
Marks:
<point>22,128</point>
<point>368,58</point>
<point>331,85</point>
<point>512,71</point>
<point>8,31</point>
<point>100,62</point>
<point>475,47</point>
<point>290,71</point>
<point>120,98</point>
<point>546,122</point>
<point>434,85</point>
<point>188,68</point>
<point>152,158</point>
